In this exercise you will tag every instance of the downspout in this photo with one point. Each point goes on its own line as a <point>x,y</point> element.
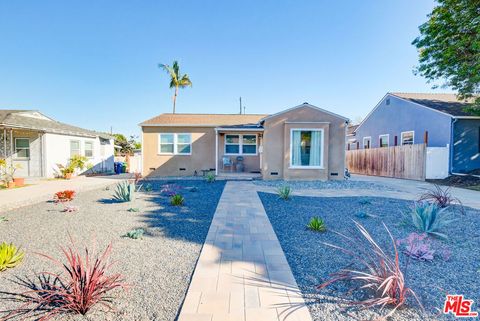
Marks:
<point>216,151</point>
<point>452,145</point>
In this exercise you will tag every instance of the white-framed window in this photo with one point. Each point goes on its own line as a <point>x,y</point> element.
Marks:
<point>306,148</point>
<point>88,149</point>
<point>74,148</point>
<point>236,144</point>
<point>384,140</point>
<point>22,147</point>
<point>175,143</point>
<point>408,138</point>
<point>367,142</point>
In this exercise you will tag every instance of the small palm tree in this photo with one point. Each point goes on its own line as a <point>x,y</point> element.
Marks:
<point>177,80</point>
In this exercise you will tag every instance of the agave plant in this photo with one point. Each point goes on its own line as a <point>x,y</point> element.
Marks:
<point>124,192</point>
<point>210,177</point>
<point>429,218</point>
<point>10,256</point>
<point>3,219</point>
<point>135,234</point>
<point>177,200</point>
<point>86,281</point>
<point>284,192</point>
<point>378,271</point>
<point>317,224</point>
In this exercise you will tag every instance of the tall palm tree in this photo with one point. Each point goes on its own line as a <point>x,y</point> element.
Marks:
<point>177,80</point>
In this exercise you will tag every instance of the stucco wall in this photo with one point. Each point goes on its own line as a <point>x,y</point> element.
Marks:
<point>466,145</point>
<point>202,156</point>
<point>400,116</point>
<point>276,150</point>
<point>57,151</point>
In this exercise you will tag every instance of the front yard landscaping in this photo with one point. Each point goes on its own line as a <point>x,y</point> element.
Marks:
<point>452,268</point>
<point>155,244</point>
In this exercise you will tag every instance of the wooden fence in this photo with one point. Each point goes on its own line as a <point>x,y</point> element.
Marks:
<point>407,161</point>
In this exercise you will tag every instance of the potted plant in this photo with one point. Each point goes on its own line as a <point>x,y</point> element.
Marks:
<point>8,173</point>
<point>67,171</point>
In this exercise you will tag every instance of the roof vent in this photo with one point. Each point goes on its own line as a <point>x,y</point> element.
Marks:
<point>305,103</point>
<point>387,102</point>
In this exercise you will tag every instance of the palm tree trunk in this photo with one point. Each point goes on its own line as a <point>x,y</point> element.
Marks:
<point>175,99</point>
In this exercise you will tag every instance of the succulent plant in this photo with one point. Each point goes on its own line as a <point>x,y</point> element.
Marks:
<point>124,191</point>
<point>10,256</point>
<point>317,224</point>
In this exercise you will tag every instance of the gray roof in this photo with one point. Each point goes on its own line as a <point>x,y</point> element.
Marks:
<point>445,103</point>
<point>34,120</point>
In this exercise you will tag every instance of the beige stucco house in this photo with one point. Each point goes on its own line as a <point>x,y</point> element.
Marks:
<point>304,142</point>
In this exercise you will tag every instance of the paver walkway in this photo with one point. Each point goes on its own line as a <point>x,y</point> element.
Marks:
<point>43,190</point>
<point>242,273</point>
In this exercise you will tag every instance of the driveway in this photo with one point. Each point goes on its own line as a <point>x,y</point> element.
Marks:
<point>43,190</point>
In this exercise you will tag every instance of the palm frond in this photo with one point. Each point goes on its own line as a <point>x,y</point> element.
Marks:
<point>184,81</point>
<point>171,72</point>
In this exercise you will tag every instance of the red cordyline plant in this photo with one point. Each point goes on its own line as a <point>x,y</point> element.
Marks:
<point>64,196</point>
<point>378,271</point>
<point>86,282</point>
<point>442,197</point>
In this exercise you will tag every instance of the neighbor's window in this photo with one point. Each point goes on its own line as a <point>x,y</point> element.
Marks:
<point>408,137</point>
<point>22,147</point>
<point>232,144</point>
<point>175,144</point>
<point>88,149</point>
<point>384,140</point>
<point>74,148</point>
<point>249,144</point>
<point>306,148</point>
<point>367,142</point>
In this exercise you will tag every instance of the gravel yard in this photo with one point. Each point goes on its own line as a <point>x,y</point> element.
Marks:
<point>158,267</point>
<point>340,184</point>
<point>312,262</point>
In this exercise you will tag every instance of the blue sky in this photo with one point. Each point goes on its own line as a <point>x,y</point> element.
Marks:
<point>94,63</point>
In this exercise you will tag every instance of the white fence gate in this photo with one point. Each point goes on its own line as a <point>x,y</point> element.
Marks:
<point>437,162</point>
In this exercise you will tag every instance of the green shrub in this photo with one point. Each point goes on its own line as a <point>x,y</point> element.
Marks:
<point>148,187</point>
<point>317,224</point>
<point>210,177</point>
<point>430,218</point>
<point>135,234</point>
<point>284,192</point>
<point>10,256</point>
<point>365,201</point>
<point>124,191</point>
<point>3,219</point>
<point>177,200</point>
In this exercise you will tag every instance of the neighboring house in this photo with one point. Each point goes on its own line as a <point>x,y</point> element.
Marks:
<point>303,142</point>
<point>440,120</point>
<point>38,144</point>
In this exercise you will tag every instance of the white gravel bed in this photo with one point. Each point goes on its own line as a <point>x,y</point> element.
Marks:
<point>158,267</point>
<point>338,185</point>
<point>312,262</point>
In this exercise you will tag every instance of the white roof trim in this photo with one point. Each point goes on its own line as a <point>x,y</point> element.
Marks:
<point>239,129</point>
<point>467,117</point>
<point>304,105</point>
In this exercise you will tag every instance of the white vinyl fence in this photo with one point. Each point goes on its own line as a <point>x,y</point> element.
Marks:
<point>437,162</point>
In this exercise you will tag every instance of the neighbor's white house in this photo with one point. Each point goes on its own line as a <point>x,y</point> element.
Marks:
<point>40,144</point>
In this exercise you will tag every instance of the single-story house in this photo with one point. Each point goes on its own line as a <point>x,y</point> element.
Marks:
<point>303,142</point>
<point>38,144</point>
<point>439,120</point>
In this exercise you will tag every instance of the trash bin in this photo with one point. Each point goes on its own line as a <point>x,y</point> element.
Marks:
<point>124,167</point>
<point>240,167</point>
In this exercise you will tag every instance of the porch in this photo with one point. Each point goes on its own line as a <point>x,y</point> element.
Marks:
<point>238,151</point>
<point>23,149</point>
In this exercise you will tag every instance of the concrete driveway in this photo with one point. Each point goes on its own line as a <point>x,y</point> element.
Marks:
<point>42,190</point>
<point>414,189</point>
